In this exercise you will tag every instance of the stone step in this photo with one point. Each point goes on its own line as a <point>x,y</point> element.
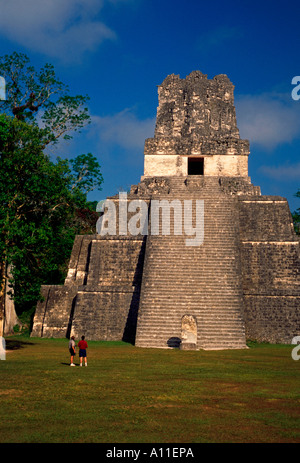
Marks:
<point>185,254</point>
<point>202,340</point>
<point>210,323</point>
<point>228,326</point>
<point>206,312</point>
<point>214,276</point>
<point>203,345</point>
<point>158,323</point>
<point>207,337</point>
<point>195,285</point>
<point>223,246</point>
<point>199,272</point>
<point>156,319</point>
<point>211,302</point>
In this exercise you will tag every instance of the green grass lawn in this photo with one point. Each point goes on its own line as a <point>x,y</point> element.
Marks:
<point>133,395</point>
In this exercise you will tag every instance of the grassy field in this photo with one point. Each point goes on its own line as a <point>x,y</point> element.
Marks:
<point>133,395</point>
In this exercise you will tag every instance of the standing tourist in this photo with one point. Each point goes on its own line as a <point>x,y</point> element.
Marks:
<point>82,350</point>
<point>72,347</point>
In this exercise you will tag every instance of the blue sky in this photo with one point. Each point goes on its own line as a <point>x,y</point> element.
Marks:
<point>118,51</point>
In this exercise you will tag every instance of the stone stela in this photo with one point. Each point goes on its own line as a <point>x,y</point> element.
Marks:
<point>241,283</point>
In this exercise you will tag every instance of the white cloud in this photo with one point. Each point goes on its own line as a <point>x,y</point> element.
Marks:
<point>58,28</point>
<point>268,119</point>
<point>282,173</point>
<point>123,129</point>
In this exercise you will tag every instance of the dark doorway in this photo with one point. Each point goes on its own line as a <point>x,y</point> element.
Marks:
<point>195,166</point>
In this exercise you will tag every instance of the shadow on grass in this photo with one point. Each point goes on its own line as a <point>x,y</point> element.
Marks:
<point>13,344</point>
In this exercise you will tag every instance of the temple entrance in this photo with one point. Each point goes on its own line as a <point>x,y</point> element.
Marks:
<point>195,166</point>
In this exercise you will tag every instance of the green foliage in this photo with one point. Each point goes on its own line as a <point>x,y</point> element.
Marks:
<point>66,115</point>
<point>4,130</point>
<point>43,203</point>
<point>86,176</point>
<point>36,208</point>
<point>39,96</point>
<point>296,216</point>
<point>27,90</point>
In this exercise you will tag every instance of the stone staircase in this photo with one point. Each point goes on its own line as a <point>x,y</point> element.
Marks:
<point>202,281</point>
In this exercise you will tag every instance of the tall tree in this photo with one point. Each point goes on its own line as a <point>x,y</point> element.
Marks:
<point>43,203</point>
<point>35,205</point>
<point>40,97</point>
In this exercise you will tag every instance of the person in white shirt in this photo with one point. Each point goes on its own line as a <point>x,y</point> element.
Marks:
<point>72,347</point>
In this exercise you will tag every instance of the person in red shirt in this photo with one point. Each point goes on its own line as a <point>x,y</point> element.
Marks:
<point>82,345</point>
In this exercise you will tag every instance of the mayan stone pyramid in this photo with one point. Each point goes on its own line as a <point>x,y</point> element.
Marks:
<point>218,264</point>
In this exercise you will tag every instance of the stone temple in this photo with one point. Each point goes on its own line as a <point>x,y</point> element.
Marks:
<point>240,280</point>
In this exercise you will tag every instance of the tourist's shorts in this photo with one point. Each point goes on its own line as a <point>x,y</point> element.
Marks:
<point>82,352</point>
<point>72,352</point>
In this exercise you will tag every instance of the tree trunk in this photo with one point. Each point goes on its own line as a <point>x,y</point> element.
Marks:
<point>8,316</point>
<point>2,296</point>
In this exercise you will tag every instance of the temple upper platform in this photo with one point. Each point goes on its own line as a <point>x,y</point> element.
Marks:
<point>196,130</point>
